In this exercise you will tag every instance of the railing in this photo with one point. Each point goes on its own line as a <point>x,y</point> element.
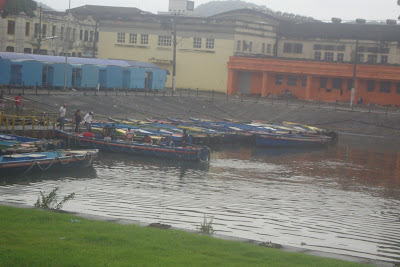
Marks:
<point>25,122</point>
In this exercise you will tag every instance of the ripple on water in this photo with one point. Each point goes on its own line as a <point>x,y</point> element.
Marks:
<point>326,198</point>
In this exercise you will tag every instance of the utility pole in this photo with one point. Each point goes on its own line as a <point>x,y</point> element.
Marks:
<point>67,44</point>
<point>353,89</point>
<point>174,53</point>
<point>40,30</point>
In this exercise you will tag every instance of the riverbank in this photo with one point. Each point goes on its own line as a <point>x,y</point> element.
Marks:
<point>38,238</point>
<point>363,120</point>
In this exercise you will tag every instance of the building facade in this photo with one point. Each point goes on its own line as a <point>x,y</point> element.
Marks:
<point>228,52</point>
<point>46,34</point>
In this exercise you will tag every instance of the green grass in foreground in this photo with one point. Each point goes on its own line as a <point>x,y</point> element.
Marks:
<point>41,238</point>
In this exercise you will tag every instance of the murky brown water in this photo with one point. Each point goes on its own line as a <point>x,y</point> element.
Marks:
<point>343,199</point>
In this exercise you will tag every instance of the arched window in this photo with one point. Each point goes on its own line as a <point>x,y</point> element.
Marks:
<point>10,49</point>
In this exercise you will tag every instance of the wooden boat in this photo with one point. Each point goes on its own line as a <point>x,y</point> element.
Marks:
<point>291,140</point>
<point>44,161</point>
<point>190,152</point>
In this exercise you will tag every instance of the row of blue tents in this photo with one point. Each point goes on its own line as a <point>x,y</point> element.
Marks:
<point>49,71</point>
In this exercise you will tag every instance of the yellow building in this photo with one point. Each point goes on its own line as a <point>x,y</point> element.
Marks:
<point>23,34</point>
<point>204,45</point>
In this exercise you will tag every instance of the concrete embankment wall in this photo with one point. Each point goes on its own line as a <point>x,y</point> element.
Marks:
<point>363,120</point>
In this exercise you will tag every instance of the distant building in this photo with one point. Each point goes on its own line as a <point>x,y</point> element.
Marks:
<point>259,52</point>
<point>23,34</point>
<point>180,7</point>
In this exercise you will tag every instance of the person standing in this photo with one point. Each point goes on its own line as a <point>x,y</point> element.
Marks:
<point>18,103</point>
<point>88,121</point>
<point>77,119</point>
<point>61,113</point>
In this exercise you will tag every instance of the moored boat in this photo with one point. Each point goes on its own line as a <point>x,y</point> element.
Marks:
<point>189,152</point>
<point>289,140</point>
<point>44,161</point>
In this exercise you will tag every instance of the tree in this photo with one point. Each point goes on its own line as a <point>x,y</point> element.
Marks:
<point>14,7</point>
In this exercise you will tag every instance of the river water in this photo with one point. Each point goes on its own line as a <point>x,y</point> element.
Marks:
<point>343,199</point>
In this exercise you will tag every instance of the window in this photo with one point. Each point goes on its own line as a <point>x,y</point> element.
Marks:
<point>384,59</point>
<point>268,48</point>
<point>133,38</point>
<point>298,48</point>
<point>144,39</point>
<point>329,47</point>
<point>54,31</point>
<point>120,37</point>
<point>238,45</point>
<point>73,34</point>
<point>27,51</point>
<point>398,88</point>
<point>317,47</point>
<point>385,87</point>
<point>44,30</point>
<point>197,42</point>
<point>27,28</point>
<point>62,33</point>
<point>349,84</point>
<point>164,40</point>
<point>81,35</point>
<point>91,36</point>
<point>86,36</point>
<point>263,48</point>
<point>360,58</point>
<point>372,58</point>
<point>323,81</point>
<point>287,48</point>
<point>291,80</point>
<point>328,56</point>
<point>341,48</point>
<point>340,57</point>
<point>10,49</point>
<point>210,43</point>
<point>250,47</point>
<point>79,54</point>
<point>278,79</point>
<point>304,80</point>
<point>337,83</point>
<point>11,27</point>
<point>244,47</point>
<point>96,36</point>
<point>370,86</point>
<point>317,55</point>
<point>36,30</point>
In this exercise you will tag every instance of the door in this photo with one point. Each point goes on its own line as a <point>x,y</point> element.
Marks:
<point>47,75</point>
<point>76,77</point>
<point>126,79</point>
<point>16,74</point>
<point>148,82</point>
<point>244,82</point>
<point>103,78</point>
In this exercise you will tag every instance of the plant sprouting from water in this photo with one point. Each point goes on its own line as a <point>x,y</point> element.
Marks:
<point>206,227</point>
<point>49,202</point>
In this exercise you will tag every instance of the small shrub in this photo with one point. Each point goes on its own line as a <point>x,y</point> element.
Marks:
<point>206,226</point>
<point>49,202</point>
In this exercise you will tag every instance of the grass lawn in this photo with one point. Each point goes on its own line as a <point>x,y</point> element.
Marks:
<point>31,237</point>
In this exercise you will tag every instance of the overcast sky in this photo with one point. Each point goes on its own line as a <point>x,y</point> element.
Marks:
<point>319,9</point>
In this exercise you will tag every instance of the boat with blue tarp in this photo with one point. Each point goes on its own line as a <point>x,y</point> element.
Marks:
<point>162,150</point>
<point>43,161</point>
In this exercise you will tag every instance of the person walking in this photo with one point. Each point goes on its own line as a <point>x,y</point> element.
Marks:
<point>61,113</point>
<point>77,120</point>
<point>88,121</point>
<point>18,103</point>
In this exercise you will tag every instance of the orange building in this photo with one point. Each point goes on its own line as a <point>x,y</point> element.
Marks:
<point>314,80</point>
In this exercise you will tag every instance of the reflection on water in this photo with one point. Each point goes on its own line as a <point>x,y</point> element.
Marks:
<point>343,199</point>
